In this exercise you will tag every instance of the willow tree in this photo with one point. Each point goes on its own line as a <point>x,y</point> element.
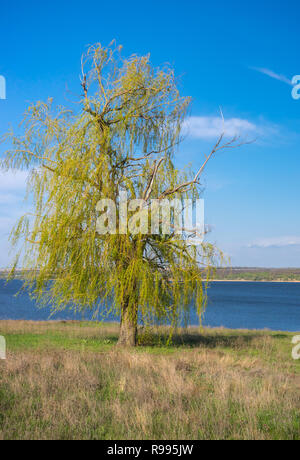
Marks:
<point>122,136</point>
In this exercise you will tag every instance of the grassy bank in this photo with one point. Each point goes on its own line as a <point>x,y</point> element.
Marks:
<point>67,380</point>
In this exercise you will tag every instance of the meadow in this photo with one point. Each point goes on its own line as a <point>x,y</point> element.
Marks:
<point>68,380</point>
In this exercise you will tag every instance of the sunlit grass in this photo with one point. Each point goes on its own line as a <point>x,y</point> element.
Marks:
<point>68,380</point>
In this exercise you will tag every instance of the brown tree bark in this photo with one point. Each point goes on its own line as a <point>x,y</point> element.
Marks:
<point>128,327</point>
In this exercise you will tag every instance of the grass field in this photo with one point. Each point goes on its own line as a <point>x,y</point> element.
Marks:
<point>67,380</point>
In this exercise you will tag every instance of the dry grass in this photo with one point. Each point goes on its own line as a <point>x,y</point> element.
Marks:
<point>206,389</point>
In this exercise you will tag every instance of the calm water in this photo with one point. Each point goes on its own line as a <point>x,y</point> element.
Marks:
<point>275,306</point>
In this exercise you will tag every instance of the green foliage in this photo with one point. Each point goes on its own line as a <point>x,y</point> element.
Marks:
<point>122,136</point>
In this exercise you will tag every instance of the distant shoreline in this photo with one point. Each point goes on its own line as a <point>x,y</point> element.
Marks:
<point>223,275</point>
<point>3,278</point>
<point>256,281</point>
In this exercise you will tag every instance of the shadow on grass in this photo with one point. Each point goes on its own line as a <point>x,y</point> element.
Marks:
<point>213,341</point>
<point>279,336</point>
<point>113,339</point>
<point>198,340</point>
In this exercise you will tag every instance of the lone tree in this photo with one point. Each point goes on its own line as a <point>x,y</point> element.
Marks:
<point>121,136</point>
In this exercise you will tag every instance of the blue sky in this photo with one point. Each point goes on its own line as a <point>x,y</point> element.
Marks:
<point>233,54</point>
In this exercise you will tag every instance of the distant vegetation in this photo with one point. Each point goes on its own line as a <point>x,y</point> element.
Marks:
<point>258,274</point>
<point>226,274</point>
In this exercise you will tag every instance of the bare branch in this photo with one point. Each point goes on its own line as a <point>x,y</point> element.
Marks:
<point>218,146</point>
<point>149,187</point>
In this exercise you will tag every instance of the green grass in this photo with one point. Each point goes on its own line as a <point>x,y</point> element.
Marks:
<point>67,380</point>
<point>102,337</point>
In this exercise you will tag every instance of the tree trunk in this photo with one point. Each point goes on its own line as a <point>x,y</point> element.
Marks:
<point>128,328</point>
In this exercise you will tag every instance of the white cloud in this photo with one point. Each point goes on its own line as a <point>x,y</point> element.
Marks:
<point>278,242</point>
<point>6,223</point>
<point>13,181</point>
<point>12,206</point>
<point>272,74</point>
<point>271,256</point>
<point>10,198</point>
<point>212,127</point>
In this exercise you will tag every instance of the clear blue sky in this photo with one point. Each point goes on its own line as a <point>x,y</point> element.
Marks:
<point>235,54</point>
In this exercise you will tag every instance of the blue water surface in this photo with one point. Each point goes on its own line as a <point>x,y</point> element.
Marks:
<point>235,305</point>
